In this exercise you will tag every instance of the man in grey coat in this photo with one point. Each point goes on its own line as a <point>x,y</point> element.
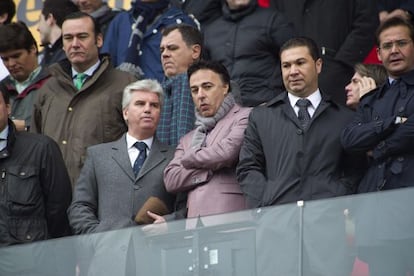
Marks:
<point>114,183</point>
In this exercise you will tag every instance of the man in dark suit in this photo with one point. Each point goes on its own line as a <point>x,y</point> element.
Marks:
<point>292,152</point>
<point>115,182</point>
<point>383,129</point>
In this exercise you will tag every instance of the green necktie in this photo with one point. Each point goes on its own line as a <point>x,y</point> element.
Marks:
<point>79,79</point>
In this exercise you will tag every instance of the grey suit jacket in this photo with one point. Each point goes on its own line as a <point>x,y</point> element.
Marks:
<point>107,194</point>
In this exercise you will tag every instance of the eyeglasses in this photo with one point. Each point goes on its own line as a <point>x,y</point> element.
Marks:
<point>402,43</point>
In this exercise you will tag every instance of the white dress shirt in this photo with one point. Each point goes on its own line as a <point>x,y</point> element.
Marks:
<point>315,98</point>
<point>133,152</point>
<point>3,135</point>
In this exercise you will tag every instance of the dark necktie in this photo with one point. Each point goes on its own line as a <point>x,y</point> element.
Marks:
<point>142,147</point>
<point>303,114</point>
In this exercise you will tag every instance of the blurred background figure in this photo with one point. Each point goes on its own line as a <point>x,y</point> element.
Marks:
<point>395,8</point>
<point>133,37</point>
<point>99,10</point>
<point>18,50</point>
<point>246,39</point>
<point>7,12</point>
<point>50,29</point>
<point>367,77</point>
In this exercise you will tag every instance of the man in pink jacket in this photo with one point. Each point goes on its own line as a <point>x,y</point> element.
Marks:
<point>204,164</point>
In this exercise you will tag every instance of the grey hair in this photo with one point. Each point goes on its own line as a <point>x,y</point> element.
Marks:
<point>147,85</point>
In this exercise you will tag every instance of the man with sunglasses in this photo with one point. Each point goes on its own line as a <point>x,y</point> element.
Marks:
<point>384,129</point>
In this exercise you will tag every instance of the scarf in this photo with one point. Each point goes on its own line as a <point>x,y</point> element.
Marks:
<point>144,12</point>
<point>104,9</point>
<point>205,124</point>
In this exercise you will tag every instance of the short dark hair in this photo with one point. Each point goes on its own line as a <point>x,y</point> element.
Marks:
<point>394,22</point>
<point>375,71</point>
<point>5,93</point>
<point>59,9</point>
<point>9,7</point>
<point>79,14</point>
<point>302,41</point>
<point>16,36</point>
<point>191,35</point>
<point>214,66</point>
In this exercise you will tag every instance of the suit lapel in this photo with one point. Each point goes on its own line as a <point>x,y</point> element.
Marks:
<point>323,105</point>
<point>289,111</point>
<point>121,157</point>
<point>155,157</point>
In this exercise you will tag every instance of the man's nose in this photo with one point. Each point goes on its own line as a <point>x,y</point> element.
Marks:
<point>293,69</point>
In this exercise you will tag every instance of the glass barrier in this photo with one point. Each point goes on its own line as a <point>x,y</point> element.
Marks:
<point>331,237</point>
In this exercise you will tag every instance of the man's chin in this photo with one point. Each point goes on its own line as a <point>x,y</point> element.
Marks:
<point>19,77</point>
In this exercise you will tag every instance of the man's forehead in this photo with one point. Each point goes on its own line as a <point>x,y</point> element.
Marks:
<point>204,75</point>
<point>172,38</point>
<point>83,23</point>
<point>138,93</point>
<point>295,55</point>
<point>394,32</point>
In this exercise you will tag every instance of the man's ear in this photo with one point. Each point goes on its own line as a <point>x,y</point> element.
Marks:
<point>50,19</point>
<point>319,65</point>
<point>227,88</point>
<point>33,49</point>
<point>125,113</point>
<point>196,48</point>
<point>378,54</point>
<point>99,40</point>
<point>3,17</point>
<point>8,106</point>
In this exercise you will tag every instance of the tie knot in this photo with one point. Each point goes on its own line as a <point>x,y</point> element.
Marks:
<point>303,103</point>
<point>394,82</point>
<point>79,79</point>
<point>140,145</point>
<point>80,76</point>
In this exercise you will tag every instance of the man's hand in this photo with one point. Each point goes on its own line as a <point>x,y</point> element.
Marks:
<point>366,85</point>
<point>20,125</point>
<point>157,218</point>
<point>157,227</point>
<point>384,15</point>
<point>400,13</point>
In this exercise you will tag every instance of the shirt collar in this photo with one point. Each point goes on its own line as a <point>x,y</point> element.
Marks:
<point>131,141</point>
<point>315,98</point>
<point>4,133</point>
<point>20,86</point>
<point>390,80</point>
<point>89,71</point>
